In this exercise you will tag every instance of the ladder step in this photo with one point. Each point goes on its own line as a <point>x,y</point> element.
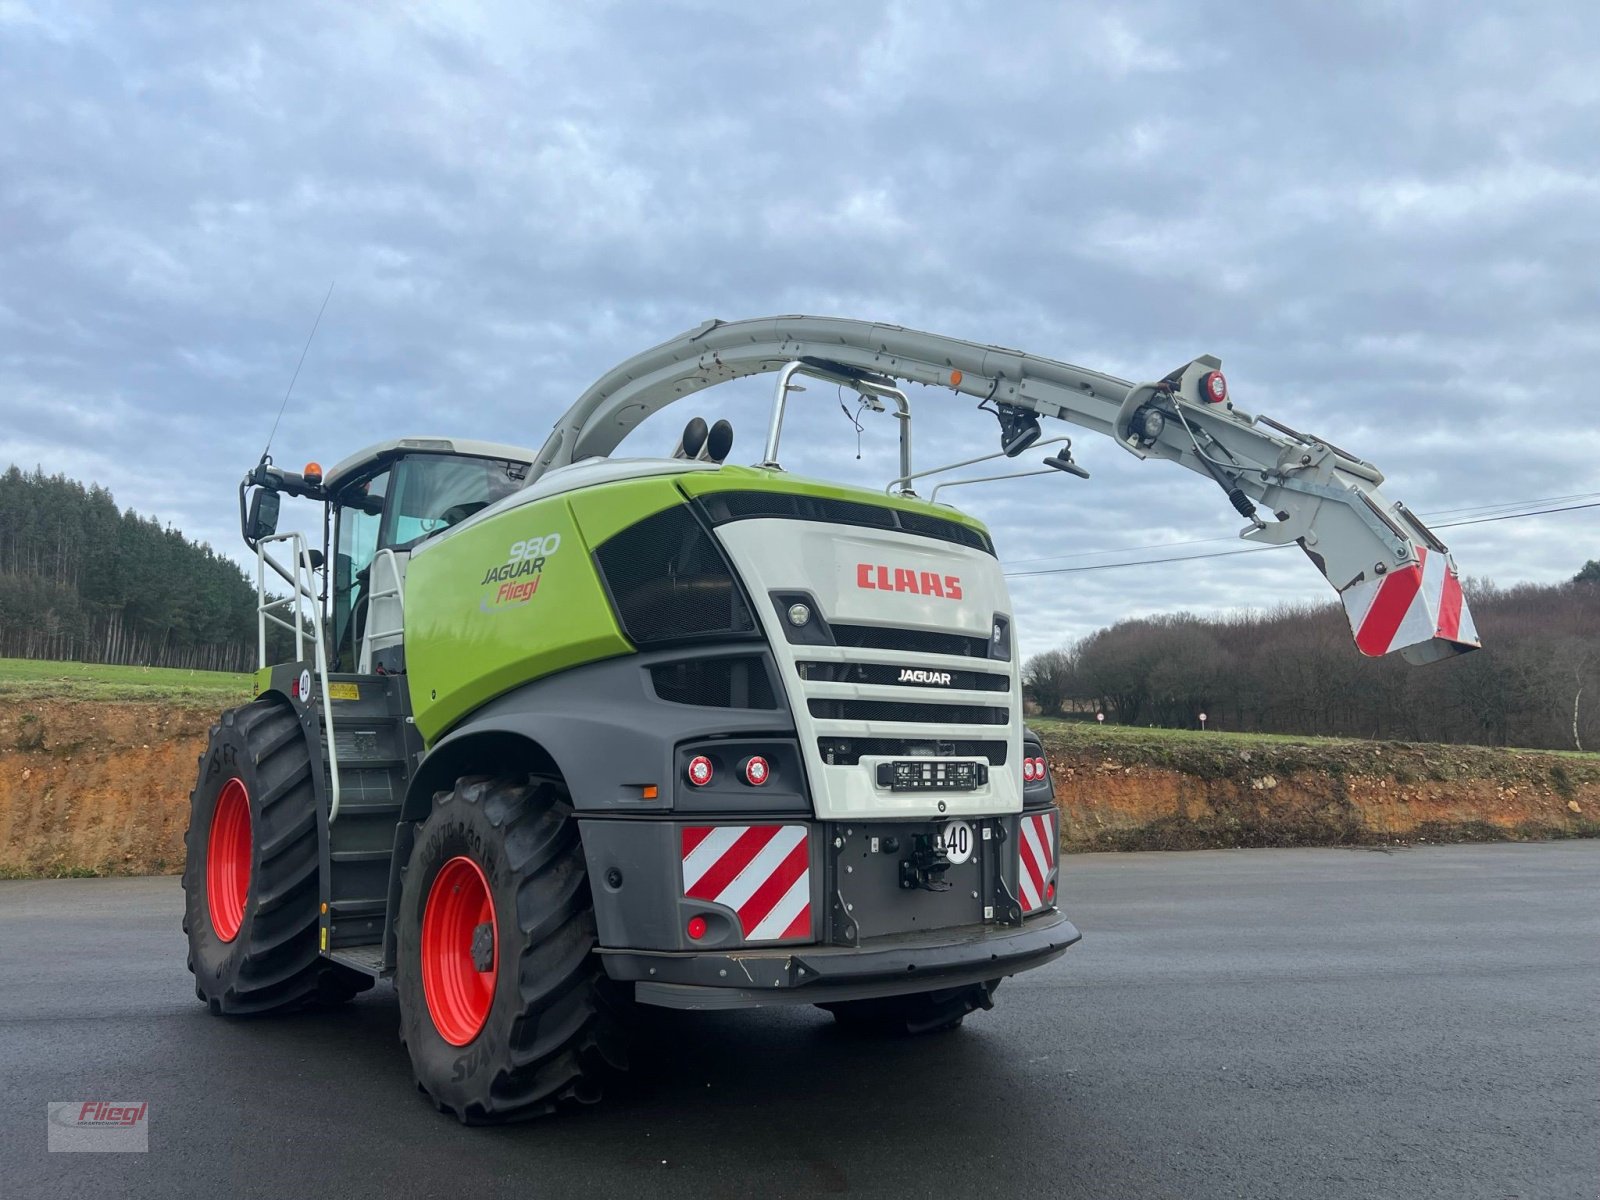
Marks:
<point>346,761</point>
<point>358,908</point>
<point>358,808</point>
<point>367,958</point>
<point>358,856</point>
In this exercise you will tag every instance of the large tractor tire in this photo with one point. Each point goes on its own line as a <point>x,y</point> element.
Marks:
<point>919,1012</point>
<point>250,882</point>
<point>504,1007</point>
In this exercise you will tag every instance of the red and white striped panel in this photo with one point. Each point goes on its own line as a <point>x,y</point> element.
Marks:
<point>762,872</point>
<point>1037,849</point>
<point>1410,606</point>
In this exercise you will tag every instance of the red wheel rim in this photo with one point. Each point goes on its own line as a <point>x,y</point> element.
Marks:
<point>228,859</point>
<point>458,992</point>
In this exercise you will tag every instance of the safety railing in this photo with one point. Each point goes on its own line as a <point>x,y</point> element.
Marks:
<point>295,612</point>
<point>873,390</point>
<point>393,589</point>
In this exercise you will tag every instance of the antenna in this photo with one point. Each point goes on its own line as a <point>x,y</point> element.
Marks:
<point>265,449</point>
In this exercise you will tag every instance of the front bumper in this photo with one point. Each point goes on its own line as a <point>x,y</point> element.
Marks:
<point>893,964</point>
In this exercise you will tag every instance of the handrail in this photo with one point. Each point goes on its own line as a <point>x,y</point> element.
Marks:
<point>303,592</point>
<point>863,387</point>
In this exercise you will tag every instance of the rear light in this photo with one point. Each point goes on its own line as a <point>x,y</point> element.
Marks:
<point>1033,769</point>
<point>756,770</point>
<point>1213,387</point>
<point>1027,769</point>
<point>697,928</point>
<point>1038,768</point>
<point>700,770</point>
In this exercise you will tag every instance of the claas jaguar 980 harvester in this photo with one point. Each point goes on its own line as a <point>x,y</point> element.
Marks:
<point>566,733</point>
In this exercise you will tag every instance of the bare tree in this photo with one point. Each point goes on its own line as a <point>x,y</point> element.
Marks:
<point>1294,670</point>
<point>1047,679</point>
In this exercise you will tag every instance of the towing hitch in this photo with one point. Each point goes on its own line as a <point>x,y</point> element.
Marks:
<point>926,867</point>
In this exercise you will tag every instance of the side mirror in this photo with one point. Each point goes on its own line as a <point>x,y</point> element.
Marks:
<point>263,519</point>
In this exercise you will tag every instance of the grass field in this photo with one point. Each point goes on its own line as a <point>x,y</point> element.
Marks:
<point>22,678</point>
<point>1215,755</point>
<point>1088,732</point>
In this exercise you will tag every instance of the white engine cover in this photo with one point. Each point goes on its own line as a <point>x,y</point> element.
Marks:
<point>892,580</point>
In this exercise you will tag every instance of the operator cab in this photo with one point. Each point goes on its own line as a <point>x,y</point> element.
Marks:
<point>385,501</point>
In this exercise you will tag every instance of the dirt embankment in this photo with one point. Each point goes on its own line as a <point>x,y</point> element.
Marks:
<point>1131,790</point>
<point>95,787</point>
<point>90,787</point>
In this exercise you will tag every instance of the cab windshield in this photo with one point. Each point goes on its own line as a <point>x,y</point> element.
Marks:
<point>435,491</point>
<point>396,509</point>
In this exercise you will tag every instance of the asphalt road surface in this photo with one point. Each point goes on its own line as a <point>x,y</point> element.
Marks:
<point>1234,1023</point>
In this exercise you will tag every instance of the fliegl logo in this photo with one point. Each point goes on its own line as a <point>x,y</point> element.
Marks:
<point>875,578</point>
<point>515,582</point>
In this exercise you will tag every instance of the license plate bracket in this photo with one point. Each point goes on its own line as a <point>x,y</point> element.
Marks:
<point>932,775</point>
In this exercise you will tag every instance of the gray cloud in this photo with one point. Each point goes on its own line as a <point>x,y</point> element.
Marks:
<point>1380,215</point>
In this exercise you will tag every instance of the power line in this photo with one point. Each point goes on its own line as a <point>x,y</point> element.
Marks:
<point>1143,562</point>
<point>1443,512</point>
<point>1474,508</point>
<point>1514,516</point>
<point>1259,549</point>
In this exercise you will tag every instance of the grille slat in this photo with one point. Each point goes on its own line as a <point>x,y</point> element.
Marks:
<point>894,675</point>
<point>924,641</point>
<point>905,711</point>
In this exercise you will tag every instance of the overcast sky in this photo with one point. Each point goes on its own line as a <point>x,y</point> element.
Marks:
<point>1383,217</point>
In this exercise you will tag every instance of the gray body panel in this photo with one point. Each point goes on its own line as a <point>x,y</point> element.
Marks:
<point>609,734</point>
<point>887,966</point>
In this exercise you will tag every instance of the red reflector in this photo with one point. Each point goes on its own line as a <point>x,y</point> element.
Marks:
<point>1214,387</point>
<point>700,770</point>
<point>756,771</point>
<point>697,928</point>
<point>1050,891</point>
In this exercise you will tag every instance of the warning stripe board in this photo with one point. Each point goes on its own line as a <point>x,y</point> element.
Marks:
<point>1037,847</point>
<point>1409,606</point>
<point>761,872</point>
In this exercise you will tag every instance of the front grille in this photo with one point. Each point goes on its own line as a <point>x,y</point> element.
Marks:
<point>721,507</point>
<point>935,676</point>
<point>668,581</point>
<point>715,683</point>
<point>898,710</point>
<point>920,641</point>
<point>847,752</point>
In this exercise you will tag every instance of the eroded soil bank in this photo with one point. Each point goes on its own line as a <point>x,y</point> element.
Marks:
<point>96,787</point>
<point>1159,790</point>
<point>99,787</point>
